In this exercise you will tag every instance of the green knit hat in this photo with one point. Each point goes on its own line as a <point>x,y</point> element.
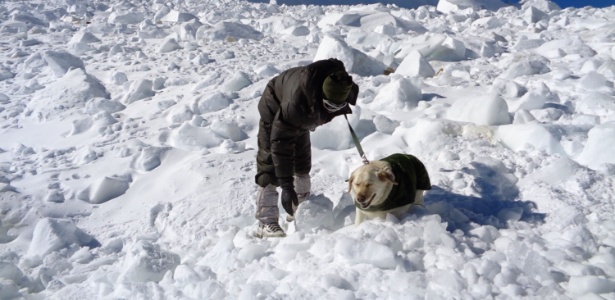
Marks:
<point>337,87</point>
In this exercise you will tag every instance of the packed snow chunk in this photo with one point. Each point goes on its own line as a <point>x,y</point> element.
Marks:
<point>528,137</point>
<point>400,94</point>
<point>543,5</point>
<point>54,234</point>
<point>96,105</point>
<point>584,285</point>
<point>177,17</point>
<point>190,137</point>
<point>354,60</point>
<point>385,125</point>
<point>228,130</point>
<point>149,158</point>
<point>487,23</point>
<point>5,73</point>
<point>236,82</point>
<point>11,272</point>
<point>365,252</point>
<point>120,18</point>
<point>534,15</point>
<point>481,110</point>
<point>525,68</point>
<point>139,89</point>
<point>105,189</point>
<point>179,114</point>
<point>73,90</point>
<point>595,103</point>
<point>599,146</point>
<point>146,262</point>
<point>450,50</point>
<point>83,37</point>
<point>9,290</point>
<point>315,213</point>
<point>535,99</point>
<point>60,62</point>
<point>229,31</point>
<point>211,103</point>
<point>414,65</point>
<point>169,45</point>
<point>555,48</point>
<point>118,78</point>
<point>334,19</point>
<point>594,81</point>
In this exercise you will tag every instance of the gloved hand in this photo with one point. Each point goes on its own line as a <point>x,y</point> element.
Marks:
<point>289,196</point>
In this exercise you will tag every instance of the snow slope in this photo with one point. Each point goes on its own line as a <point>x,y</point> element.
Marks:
<point>128,142</point>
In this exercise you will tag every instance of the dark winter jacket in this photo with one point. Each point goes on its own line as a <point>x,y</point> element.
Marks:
<point>410,175</point>
<point>291,105</point>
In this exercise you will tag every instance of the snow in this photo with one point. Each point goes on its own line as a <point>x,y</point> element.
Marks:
<point>128,143</point>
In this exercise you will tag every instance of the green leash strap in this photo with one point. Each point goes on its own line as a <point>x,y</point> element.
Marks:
<point>355,139</point>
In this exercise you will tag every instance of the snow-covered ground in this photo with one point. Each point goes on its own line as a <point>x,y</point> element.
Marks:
<point>128,137</point>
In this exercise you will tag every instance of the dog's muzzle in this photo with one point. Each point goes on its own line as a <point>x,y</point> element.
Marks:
<point>363,203</point>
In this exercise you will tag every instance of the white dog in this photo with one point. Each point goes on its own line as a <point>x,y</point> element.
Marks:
<point>390,185</point>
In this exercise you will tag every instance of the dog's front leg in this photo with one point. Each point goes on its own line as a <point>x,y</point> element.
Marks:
<point>359,217</point>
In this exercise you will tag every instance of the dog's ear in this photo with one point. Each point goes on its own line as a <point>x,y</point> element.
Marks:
<point>386,175</point>
<point>350,182</point>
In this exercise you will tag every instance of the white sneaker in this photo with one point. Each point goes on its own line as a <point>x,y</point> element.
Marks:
<point>269,230</point>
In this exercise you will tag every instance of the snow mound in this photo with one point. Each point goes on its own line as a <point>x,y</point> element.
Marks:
<point>138,90</point>
<point>126,18</point>
<point>354,60</point>
<point>314,214</point>
<point>146,262</point>
<point>52,235</point>
<point>190,137</point>
<point>597,150</point>
<point>61,62</point>
<point>483,110</point>
<point>74,89</point>
<point>453,6</point>
<point>529,137</point>
<point>415,65</point>
<point>400,93</point>
<point>229,31</point>
<point>105,189</point>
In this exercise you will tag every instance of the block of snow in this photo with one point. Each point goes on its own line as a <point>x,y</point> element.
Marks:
<point>228,30</point>
<point>96,105</point>
<point>5,73</point>
<point>525,68</point>
<point>175,16</point>
<point>481,110</point>
<point>487,22</point>
<point>414,65</point>
<point>228,130</point>
<point>594,81</point>
<point>315,213</point>
<point>105,189</point>
<point>385,125</point>
<point>595,103</point>
<point>179,114</point>
<point>148,262</point>
<point>211,103</point>
<point>334,19</point>
<point>236,82</point>
<point>335,134</point>
<point>168,45</point>
<point>365,252</point>
<point>149,158</point>
<point>190,137</point>
<point>584,285</point>
<point>400,94</point>
<point>139,89</point>
<point>60,62</point>
<point>354,60</point>
<point>434,47</point>
<point>84,37</point>
<point>54,234</point>
<point>568,46</point>
<point>599,146</point>
<point>528,137</point>
<point>74,89</point>
<point>187,30</point>
<point>534,15</point>
<point>126,18</point>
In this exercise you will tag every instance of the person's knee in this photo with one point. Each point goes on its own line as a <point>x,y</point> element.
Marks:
<point>265,179</point>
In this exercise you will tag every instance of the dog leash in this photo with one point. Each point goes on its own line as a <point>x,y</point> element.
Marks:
<point>357,144</point>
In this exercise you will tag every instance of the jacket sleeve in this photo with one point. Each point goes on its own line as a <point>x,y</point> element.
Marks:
<point>283,136</point>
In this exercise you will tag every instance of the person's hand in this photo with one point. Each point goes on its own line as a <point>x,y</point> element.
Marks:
<point>289,196</point>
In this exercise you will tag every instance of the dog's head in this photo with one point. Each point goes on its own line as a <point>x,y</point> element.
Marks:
<point>370,184</point>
